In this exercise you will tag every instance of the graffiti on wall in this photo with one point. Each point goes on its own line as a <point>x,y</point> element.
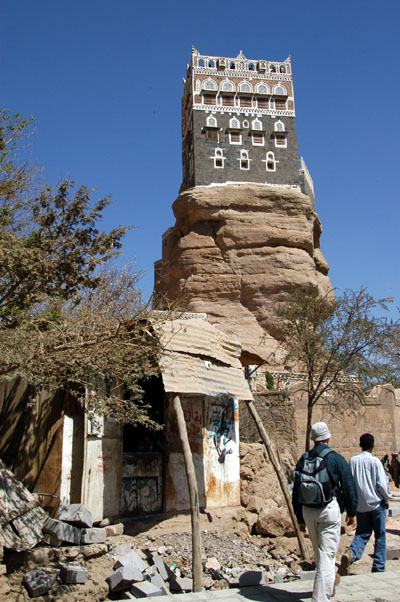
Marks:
<point>221,424</point>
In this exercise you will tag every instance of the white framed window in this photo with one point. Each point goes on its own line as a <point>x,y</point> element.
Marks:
<point>279,126</point>
<point>245,87</point>
<point>262,89</point>
<point>227,86</point>
<point>270,161</point>
<point>212,121</point>
<point>235,137</point>
<point>218,158</point>
<point>245,124</point>
<point>234,123</point>
<point>279,90</point>
<point>210,84</point>
<point>256,124</point>
<point>280,134</point>
<point>244,161</point>
<point>257,138</point>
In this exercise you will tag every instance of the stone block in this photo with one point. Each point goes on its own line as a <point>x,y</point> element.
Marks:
<point>145,589</point>
<point>123,577</point>
<point>133,560</point>
<point>162,568</point>
<point>155,578</point>
<point>113,530</point>
<point>39,581</point>
<point>392,551</point>
<point>75,514</point>
<point>72,572</point>
<point>52,541</point>
<point>93,535</point>
<point>62,531</point>
<point>181,584</point>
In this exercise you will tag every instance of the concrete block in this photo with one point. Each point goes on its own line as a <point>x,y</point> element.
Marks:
<point>113,530</point>
<point>39,581</point>
<point>72,572</point>
<point>93,535</point>
<point>145,589</point>
<point>62,531</point>
<point>392,551</point>
<point>52,541</point>
<point>132,559</point>
<point>155,578</point>
<point>181,584</point>
<point>123,577</point>
<point>75,514</point>
<point>162,568</point>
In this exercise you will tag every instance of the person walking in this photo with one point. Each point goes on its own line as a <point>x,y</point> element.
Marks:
<point>322,517</point>
<point>373,499</point>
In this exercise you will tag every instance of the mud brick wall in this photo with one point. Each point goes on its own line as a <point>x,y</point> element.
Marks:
<point>379,415</point>
<point>278,416</point>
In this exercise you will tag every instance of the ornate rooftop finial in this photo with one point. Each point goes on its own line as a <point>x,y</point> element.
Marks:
<point>241,56</point>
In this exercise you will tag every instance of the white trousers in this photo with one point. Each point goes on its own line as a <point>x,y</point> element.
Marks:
<point>323,525</point>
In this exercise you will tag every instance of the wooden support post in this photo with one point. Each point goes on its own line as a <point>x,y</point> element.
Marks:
<point>279,473</point>
<point>193,494</point>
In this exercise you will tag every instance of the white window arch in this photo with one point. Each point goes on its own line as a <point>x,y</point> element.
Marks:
<point>256,124</point>
<point>218,158</point>
<point>279,126</point>
<point>270,162</point>
<point>212,121</point>
<point>245,87</point>
<point>234,123</point>
<point>280,90</point>
<point>227,86</point>
<point>262,88</point>
<point>244,161</point>
<point>209,84</point>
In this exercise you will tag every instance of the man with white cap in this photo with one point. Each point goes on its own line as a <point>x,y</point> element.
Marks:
<point>322,516</point>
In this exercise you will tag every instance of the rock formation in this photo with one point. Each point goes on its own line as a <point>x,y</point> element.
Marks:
<point>235,251</point>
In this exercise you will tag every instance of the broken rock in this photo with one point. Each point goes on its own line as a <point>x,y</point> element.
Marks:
<point>123,577</point>
<point>145,589</point>
<point>62,531</point>
<point>93,535</point>
<point>39,581</point>
<point>72,572</point>
<point>75,514</point>
<point>113,530</point>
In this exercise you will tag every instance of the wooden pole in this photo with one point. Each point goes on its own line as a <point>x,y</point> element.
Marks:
<point>193,494</point>
<point>279,473</point>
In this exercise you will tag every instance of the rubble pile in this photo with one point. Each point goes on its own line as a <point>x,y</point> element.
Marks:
<point>78,561</point>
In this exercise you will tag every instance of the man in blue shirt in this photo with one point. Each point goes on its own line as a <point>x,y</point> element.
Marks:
<point>373,499</point>
<point>323,523</point>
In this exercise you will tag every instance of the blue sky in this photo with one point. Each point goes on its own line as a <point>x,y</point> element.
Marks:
<point>104,80</point>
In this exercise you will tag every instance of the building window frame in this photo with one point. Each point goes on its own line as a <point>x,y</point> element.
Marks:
<point>218,158</point>
<point>244,161</point>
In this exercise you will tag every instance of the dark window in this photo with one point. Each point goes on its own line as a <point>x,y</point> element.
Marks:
<point>218,163</point>
<point>231,65</point>
<point>212,135</point>
<point>244,164</point>
<point>227,101</point>
<point>280,104</point>
<point>280,140</point>
<point>257,138</point>
<point>235,136</point>
<point>209,99</point>
<point>262,103</point>
<point>282,69</point>
<point>245,101</point>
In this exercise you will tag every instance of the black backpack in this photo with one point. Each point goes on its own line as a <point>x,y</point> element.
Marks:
<point>312,480</point>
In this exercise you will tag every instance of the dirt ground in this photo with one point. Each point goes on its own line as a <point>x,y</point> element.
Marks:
<point>172,540</point>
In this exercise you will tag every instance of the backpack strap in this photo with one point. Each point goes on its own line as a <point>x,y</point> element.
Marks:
<point>325,452</point>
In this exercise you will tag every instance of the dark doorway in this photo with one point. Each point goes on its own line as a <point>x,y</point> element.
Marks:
<point>142,458</point>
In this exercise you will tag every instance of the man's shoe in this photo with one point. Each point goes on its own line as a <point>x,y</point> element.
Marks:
<point>336,583</point>
<point>345,563</point>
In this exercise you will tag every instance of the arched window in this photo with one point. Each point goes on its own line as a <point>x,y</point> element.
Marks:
<point>280,90</point>
<point>279,126</point>
<point>270,162</point>
<point>235,135</point>
<point>209,84</point>
<point>200,63</point>
<point>272,69</point>
<point>234,123</point>
<point>262,89</point>
<point>245,124</point>
<point>251,66</point>
<point>256,124</point>
<point>218,158</point>
<point>244,161</point>
<point>231,65</point>
<point>245,87</point>
<point>212,121</point>
<point>282,69</point>
<point>227,86</point>
<point>211,64</point>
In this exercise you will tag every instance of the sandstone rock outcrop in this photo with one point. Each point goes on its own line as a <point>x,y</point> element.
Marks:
<point>234,252</point>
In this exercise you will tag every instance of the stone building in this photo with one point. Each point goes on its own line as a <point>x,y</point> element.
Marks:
<point>239,124</point>
<point>246,230</point>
